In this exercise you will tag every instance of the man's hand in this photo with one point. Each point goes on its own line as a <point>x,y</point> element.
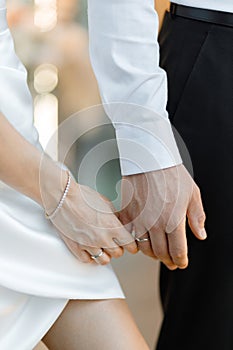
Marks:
<point>156,204</point>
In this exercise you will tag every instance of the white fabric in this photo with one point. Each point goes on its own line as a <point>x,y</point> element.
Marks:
<point>38,274</point>
<point>218,5</point>
<point>125,59</point>
<point>125,56</point>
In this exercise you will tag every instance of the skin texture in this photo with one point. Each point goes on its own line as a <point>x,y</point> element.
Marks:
<point>87,213</point>
<point>87,224</point>
<point>85,216</point>
<point>155,205</point>
<point>108,321</point>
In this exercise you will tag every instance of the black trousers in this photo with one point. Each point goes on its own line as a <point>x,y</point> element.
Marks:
<point>198,301</point>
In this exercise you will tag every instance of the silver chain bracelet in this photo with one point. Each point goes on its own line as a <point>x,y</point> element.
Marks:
<point>60,204</point>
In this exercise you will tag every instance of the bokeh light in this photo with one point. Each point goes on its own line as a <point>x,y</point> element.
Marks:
<point>45,17</point>
<point>45,78</point>
<point>46,120</point>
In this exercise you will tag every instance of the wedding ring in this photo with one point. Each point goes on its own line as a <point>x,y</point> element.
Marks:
<point>141,240</point>
<point>101,253</point>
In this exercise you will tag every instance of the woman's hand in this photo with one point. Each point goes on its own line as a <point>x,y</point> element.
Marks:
<point>87,224</point>
<point>86,221</point>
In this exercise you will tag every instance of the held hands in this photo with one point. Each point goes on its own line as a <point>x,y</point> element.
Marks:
<point>155,206</point>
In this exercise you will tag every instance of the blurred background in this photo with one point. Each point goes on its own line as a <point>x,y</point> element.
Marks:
<point>51,38</point>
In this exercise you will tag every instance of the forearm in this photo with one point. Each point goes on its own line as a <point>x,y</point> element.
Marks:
<point>20,165</point>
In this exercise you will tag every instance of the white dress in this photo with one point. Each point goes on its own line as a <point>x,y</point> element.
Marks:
<point>38,274</point>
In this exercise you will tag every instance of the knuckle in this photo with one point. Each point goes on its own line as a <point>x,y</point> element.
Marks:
<point>157,225</point>
<point>201,218</point>
<point>152,223</point>
<point>196,190</point>
<point>161,253</point>
<point>179,257</point>
<point>197,219</point>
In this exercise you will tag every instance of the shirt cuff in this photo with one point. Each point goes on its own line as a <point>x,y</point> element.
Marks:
<point>142,150</point>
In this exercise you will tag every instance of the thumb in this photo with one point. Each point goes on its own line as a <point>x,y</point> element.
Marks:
<point>196,215</point>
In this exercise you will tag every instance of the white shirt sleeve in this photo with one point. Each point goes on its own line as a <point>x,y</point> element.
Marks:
<point>125,57</point>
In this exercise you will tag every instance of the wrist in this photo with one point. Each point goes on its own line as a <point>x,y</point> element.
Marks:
<point>52,183</point>
<point>51,215</point>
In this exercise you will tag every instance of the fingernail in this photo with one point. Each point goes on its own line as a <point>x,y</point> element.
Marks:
<point>202,233</point>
